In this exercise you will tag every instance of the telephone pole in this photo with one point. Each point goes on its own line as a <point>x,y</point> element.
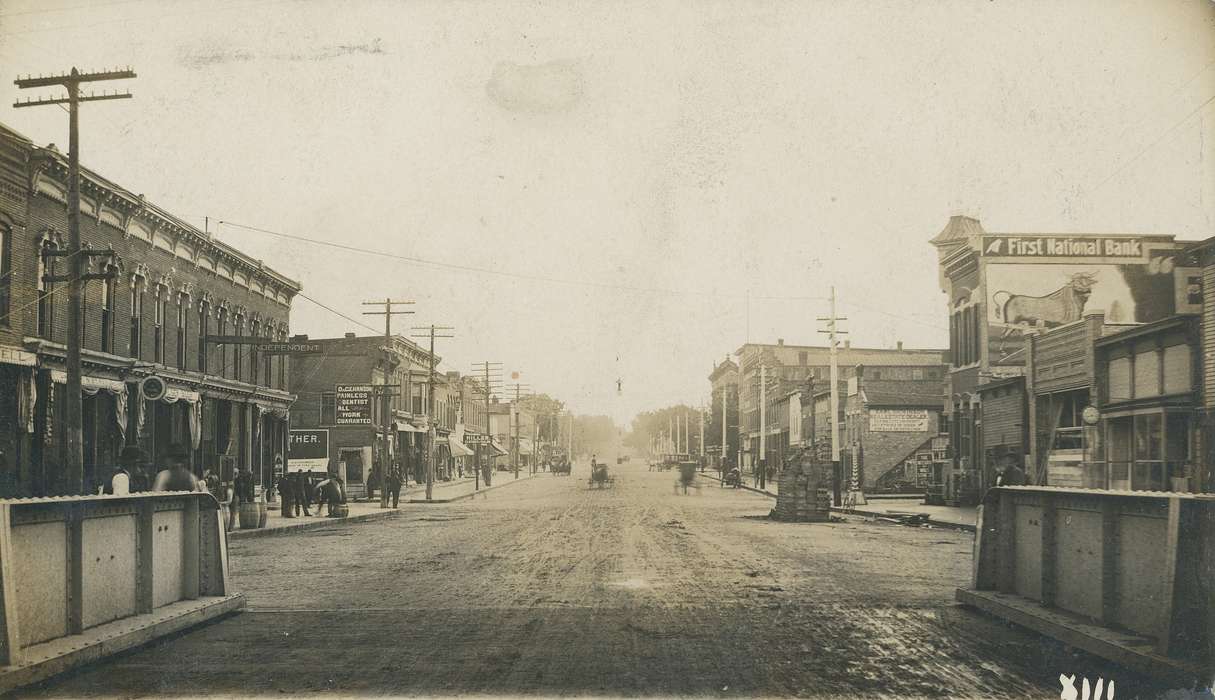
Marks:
<point>832,331</point>
<point>763,424</point>
<point>432,332</point>
<point>485,368</point>
<point>514,452</point>
<point>386,391</point>
<point>76,277</point>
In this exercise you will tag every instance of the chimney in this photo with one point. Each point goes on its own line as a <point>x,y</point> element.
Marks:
<point>780,341</point>
<point>299,338</point>
<point>900,345</point>
<point>350,335</point>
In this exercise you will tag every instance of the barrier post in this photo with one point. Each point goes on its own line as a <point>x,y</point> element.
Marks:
<point>145,511</point>
<point>10,654</point>
<point>189,554</point>
<point>1169,577</point>
<point>75,568</point>
<point>1006,580</point>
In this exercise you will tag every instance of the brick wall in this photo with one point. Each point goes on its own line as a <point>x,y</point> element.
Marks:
<point>886,450</point>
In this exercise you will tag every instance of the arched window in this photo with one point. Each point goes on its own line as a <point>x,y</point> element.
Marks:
<point>183,327</point>
<point>135,344</point>
<point>221,323</point>
<point>46,288</point>
<point>108,289</point>
<point>255,328</point>
<point>6,270</point>
<point>267,358</point>
<point>159,303</point>
<point>238,351</point>
<point>204,327</point>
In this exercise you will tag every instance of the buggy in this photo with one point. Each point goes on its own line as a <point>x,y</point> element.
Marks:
<point>599,476</point>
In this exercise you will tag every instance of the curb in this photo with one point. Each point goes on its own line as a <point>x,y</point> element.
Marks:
<point>866,513</point>
<point>322,521</point>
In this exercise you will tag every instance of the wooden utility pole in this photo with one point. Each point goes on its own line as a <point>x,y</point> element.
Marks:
<point>832,331</point>
<point>514,458</point>
<point>763,424</point>
<point>483,450</point>
<point>432,333</point>
<point>75,254</point>
<point>386,390</point>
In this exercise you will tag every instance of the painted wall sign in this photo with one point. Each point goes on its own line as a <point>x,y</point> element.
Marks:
<point>1062,247</point>
<point>308,451</point>
<point>898,421</point>
<point>353,404</point>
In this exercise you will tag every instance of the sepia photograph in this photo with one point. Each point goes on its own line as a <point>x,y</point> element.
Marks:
<point>607,349</point>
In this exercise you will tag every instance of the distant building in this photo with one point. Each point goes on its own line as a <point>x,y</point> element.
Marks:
<point>723,415</point>
<point>787,367</point>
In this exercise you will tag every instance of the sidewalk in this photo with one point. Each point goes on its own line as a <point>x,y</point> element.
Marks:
<point>444,492</point>
<point>962,518</point>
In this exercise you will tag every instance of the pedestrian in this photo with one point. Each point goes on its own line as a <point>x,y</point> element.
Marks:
<point>177,476</point>
<point>286,492</point>
<point>373,480</point>
<point>303,494</point>
<point>243,486</point>
<point>394,484</point>
<point>1012,475</point>
<point>331,493</point>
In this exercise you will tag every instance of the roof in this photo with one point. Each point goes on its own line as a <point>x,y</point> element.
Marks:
<point>958,230</point>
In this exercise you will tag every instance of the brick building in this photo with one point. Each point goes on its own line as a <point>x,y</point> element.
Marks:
<point>892,414</point>
<point>173,285</point>
<point>788,367</point>
<point>362,361</point>
<point>723,415</point>
<point>1002,288</point>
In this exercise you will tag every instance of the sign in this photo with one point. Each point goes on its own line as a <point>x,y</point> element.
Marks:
<point>1062,247</point>
<point>353,404</point>
<point>898,420</point>
<point>472,439</point>
<point>308,451</point>
<point>304,348</point>
<point>153,388</point>
<point>795,419</point>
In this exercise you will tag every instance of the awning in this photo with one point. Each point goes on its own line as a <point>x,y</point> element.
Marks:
<point>458,449</point>
<point>17,356</point>
<point>407,427</point>
<point>92,384</point>
<point>498,448</point>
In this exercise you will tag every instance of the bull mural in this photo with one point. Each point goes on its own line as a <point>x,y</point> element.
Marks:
<point>1064,305</point>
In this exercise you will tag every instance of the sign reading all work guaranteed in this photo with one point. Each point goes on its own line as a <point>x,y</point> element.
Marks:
<point>353,404</point>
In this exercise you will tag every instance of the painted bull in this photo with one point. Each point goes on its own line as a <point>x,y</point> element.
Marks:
<point>1064,305</point>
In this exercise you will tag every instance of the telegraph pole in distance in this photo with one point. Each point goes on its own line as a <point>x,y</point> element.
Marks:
<point>832,331</point>
<point>386,406</point>
<point>76,277</point>
<point>485,368</point>
<point>432,333</point>
<point>514,453</point>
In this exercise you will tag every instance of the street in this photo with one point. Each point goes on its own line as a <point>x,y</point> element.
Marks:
<point>548,587</point>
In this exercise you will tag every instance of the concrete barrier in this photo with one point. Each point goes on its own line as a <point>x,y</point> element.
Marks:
<point>104,570</point>
<point>1127,575</point>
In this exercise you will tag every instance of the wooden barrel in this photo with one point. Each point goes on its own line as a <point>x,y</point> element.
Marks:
<point>248,516</point>
<point>341,510</point>
<point>263,514</point>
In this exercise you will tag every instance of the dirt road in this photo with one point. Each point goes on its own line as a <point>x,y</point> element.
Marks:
<point>551,588</point>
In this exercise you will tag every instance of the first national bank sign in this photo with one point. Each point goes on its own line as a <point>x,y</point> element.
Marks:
<point>1062,247</point>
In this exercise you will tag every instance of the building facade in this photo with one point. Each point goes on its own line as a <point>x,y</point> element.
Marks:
<point>171,286</point>
<point>1001,288</point>
<point>721,434</point>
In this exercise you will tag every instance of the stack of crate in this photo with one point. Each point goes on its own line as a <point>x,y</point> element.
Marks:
<point>805,489</point>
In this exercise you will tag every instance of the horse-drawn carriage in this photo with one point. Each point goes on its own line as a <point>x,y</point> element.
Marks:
<point>599,475</point>
<point>561,467</point>
<point>687,477</point>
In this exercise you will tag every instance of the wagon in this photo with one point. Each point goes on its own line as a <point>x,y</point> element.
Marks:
<point>599,476</point>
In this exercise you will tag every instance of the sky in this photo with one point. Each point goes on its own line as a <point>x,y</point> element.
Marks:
<point>593,191</point>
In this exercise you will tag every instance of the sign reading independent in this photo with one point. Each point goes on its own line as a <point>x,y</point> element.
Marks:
<point>353,404</point>
<point>308,451</point>
<point>1062,247</point>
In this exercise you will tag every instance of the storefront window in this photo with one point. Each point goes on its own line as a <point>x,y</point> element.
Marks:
<point>1120,379</point>
<point>1177,369</point>
<point>1148,471</point>
<point>1120,432</point>
<point>1147,372</point>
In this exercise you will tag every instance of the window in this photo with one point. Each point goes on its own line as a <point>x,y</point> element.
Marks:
<point>282,363</point>
<point>917,374</point>
<point>183,328</point>
<point>222,326</point>
<point>1147,371</point>
<point>46,289</point>
<point>267,360</point>
<point>237,354</point>
<point>254,332</point>
<point>135,344</point>
<point>1177,378</point>
<point>6,236</point>
<point>802,357</point>
<point>1119,380</point>
<point>204,327</point>
<point>158,323</point>
<point>108,287</point>
<point>328,409</point>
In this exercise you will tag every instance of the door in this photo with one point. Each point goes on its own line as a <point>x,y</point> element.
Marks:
<point>353,459</point>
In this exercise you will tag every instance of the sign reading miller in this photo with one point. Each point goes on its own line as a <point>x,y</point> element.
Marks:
<point>353,404</point>
<point>1062,247</point>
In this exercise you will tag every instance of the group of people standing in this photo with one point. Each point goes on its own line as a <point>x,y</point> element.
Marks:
<point>393,482</point>
<point>131,474</point>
